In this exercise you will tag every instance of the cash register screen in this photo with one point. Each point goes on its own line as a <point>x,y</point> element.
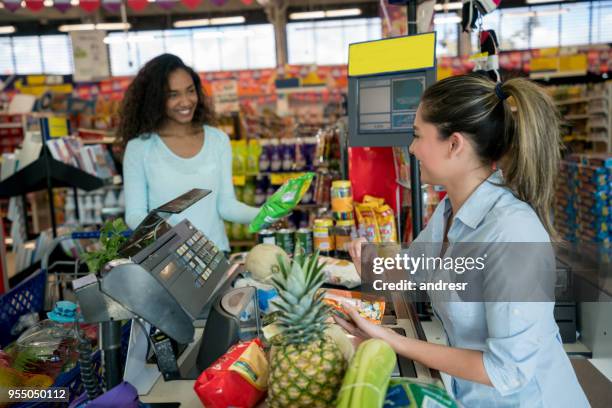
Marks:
<point>145,234</point>
<point>154,225</point>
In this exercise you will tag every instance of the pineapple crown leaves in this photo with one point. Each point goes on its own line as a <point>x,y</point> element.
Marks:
<point>303,313</point>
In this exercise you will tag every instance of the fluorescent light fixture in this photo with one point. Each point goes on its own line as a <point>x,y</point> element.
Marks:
<point>227,20</point>
<point>207,35</point>
<point>76,27</point>
<point>113,26</point>
<point>447,20</point>
<point>131,39</point>
<point>312,15</point>
<point>307,15</point>
<point>74,2</point>
<point>449,6</point>
<point>343,12</point>
<point>7,29</point>
<point>23,4</point>
<point>48,3</point>
<point>191,23</point>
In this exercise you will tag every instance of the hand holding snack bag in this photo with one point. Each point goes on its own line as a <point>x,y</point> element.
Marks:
<point>370,307</point>
<point>281,202</point>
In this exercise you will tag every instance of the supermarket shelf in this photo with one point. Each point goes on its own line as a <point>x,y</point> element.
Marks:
<point>105,140</point>
<point>572,101</point>
<point>598,112</point>
<point>577,117</point>
<point>11,125</point>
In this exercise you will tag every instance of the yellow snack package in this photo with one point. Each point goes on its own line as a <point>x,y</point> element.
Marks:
<point>368,222</point>
<point>386,223</point>
<point>372,199</point>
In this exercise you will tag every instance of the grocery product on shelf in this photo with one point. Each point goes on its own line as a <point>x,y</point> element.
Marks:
<point>344,233</point>
<point>323,237</point>
<point>306,365</point>
<point>342,200</point>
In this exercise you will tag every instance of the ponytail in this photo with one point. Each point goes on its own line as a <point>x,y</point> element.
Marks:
<point>515,124</point>
<point>532,162</point>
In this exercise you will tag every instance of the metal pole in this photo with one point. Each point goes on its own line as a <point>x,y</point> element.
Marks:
<point>110,341</point>
<point>415,174</point>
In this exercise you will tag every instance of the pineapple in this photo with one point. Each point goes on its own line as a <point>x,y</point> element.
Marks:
<point>306,365</point>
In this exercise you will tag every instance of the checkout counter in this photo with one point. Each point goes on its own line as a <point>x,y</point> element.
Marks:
<point>174,279</point>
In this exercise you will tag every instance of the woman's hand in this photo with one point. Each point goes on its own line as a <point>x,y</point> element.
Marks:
<point>355,252</point>
<point>360,327</point>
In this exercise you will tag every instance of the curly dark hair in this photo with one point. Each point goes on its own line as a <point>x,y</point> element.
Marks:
<point>143,109</point>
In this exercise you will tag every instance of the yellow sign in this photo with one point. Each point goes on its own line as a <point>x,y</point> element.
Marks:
<point>576,62</point>
<point>392,55</point>
<point>58,127</point>
<point>544,64</point>
<point>239,180</point>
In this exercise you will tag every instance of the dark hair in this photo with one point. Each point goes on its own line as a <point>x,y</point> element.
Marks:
<point>143,109</point>
<point>516,123</point>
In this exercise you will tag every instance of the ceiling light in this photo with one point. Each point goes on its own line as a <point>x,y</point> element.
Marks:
<point>447,20</point>
<point>312,15</point>
<point>7,29</point>
<point>113,26</point>
<point>74,2</point>
<point>191,23</point>
<point>227,20</point>
<point>307,15</point>
<point>23,4</point>
<point>343,12</point>
<point>76,27</point>
<point>48,3</point>
<point>448,6</point>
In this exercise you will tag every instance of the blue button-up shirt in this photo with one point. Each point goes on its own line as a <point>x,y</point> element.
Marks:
<point>523,353</point>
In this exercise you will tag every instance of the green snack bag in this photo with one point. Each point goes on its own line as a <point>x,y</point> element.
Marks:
<point>281,202</point>
<point>413,393</point>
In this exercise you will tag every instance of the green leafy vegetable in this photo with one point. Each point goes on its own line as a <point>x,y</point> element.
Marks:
<point>111,239</point>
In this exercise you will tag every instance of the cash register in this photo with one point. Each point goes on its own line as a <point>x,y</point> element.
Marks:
<point>166,277</point>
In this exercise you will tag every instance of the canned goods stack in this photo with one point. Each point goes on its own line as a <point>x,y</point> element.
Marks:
<point>288,239</point>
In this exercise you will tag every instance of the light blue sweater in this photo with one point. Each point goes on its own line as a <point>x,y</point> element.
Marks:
<point>154,175</point>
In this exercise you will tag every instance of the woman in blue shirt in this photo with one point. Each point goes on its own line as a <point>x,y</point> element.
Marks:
<point>171,148</point>
<point>504,353</point>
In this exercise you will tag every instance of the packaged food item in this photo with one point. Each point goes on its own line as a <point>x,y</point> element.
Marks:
<point>237,379</point>
<point>261,184</point>
<point>369,306</point>
<point>323,238</point>
<point>281,202</point>
<point>285,239</point>
<point>304,241</point>
<point>416,393</point>
<point>340,272</point>
<point>265,156</point>
<point>386,223</point>
<point>342,200</point>
<point>344,233</point>
<point>371,199</point>
<point>239,159</point>
<point>266,236</point>
<point>288,148</point>
<point>237,231</point>
<point>368,223</point>
<point>368,375</point>
<point>252,158</point>
<point>276,155</point>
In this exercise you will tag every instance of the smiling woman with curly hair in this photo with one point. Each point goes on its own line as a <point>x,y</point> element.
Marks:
<point>171,147</point>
